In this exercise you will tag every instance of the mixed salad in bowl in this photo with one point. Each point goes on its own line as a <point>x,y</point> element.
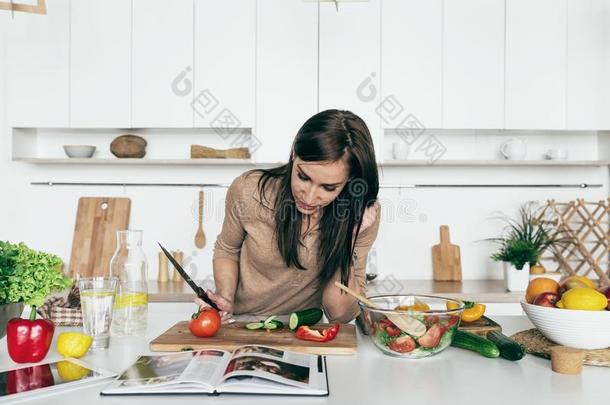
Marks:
<point>411,326</point>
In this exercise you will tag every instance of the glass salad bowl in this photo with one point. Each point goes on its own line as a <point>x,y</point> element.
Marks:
<point>411,326</point>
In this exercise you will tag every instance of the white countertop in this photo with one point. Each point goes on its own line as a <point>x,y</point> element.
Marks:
<point>452,377</point>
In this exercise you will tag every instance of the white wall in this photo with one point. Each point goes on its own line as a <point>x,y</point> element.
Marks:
<point>43,217</point>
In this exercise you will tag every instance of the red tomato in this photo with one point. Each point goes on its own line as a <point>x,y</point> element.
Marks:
<point>404,344</point>
<point>392,331</point>
<point>205,323</point>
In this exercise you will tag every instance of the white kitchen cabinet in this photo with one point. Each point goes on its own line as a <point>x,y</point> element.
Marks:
<point>225,57</point>
<point>473,64</point>
<point>100,64</point>
<point>162,63</point>
<point>588,92</point>
<point>38,67</point>
<point>536,64</point>
<point>350,70</point>
<point>411,60</point>
<point>286,74</point>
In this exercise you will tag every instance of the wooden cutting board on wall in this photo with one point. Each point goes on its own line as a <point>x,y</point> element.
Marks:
<point>234,335</point>
<point>446,260</point>
<point>94,242</point>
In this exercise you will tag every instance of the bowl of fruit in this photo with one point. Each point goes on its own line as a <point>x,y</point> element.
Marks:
<point>411,326</point>
<point>571,313</point>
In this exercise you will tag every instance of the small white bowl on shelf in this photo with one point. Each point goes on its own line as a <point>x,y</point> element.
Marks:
<point>572,328</point>
<point>79,151</point>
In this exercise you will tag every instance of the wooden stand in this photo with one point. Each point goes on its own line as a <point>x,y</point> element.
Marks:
<point>178,255</point>
<point>163,276</point>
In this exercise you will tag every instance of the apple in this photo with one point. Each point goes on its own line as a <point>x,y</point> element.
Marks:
<point>547,299</point>
<point>575,281</point>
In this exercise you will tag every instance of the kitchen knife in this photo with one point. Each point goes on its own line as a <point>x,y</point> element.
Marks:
<point>198,290</point>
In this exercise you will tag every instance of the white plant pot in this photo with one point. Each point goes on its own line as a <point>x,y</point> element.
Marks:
<point>516,280</point>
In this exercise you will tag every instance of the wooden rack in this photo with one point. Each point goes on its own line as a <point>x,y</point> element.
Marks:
<point>587,227</point>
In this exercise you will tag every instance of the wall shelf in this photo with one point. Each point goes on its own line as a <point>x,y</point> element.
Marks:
<point>248,162</point>
<point>466,163</point>
<point>135,161</point>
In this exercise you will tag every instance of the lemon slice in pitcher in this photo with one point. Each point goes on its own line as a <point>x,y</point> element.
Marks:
<point>130,300</point>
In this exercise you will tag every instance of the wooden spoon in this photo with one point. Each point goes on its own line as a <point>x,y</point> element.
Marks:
<point>200,236</point>
<point>405,322</point>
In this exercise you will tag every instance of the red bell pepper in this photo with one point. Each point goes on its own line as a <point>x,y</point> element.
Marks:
<point>29,340</point>
<point>29,378</point>
<point>314,335</point>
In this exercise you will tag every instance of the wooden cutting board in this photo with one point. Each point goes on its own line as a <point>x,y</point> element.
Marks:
<point>480,326</point>
<point>446,261</point>
<point>94,242</point>
<point>233,335</point>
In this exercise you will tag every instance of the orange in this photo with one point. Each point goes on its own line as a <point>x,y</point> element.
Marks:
<point>540,285</point>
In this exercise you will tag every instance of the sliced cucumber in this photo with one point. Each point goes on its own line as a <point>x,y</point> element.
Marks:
<point>269,320</point>
<point>308,317</point>
<point>269,323</point>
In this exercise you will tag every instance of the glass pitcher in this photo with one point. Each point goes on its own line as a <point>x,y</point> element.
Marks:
<point>129,265</point>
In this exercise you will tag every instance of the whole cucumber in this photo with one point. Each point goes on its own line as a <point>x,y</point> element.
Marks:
<point>476,343</point>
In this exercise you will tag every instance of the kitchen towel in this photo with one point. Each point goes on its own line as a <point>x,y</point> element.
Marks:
<point>63,311</point>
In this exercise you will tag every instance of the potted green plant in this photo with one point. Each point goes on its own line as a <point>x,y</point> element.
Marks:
<point>524,241</point>
<point>27,277</point>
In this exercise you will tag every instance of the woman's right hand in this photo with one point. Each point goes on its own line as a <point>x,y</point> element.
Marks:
<point>224,304</point>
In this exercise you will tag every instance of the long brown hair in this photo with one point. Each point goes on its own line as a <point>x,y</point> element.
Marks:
<point>327,136</point>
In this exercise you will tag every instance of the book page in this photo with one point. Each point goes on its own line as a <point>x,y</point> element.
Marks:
<point>207,366</point>
<point>203,367</point>
<point>271,364</point>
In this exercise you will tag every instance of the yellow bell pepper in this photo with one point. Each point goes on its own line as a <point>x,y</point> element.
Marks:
<point>472,312</point>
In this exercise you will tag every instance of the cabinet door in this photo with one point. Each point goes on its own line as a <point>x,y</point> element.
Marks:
<point>536,64</point>
<point>38,67</point>
<point>100,65</point>
<point>473,64</point>
<point>588,64</point>
<point>225,55</point>
<point>162,63</point>
<point>411,58</point>
<point>286,74</point>
<point>350,61</point>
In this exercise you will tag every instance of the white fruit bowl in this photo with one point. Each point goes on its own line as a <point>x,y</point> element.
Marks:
<point>567,327</point>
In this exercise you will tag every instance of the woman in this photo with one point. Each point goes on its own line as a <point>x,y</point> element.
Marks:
<point>290,232</point>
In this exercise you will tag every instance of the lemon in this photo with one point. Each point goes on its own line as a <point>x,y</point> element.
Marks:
<point>130,300</point>
<point>69,371</point>
<point>584,298</point>
<point>559,304</point>
<point>73,344</point>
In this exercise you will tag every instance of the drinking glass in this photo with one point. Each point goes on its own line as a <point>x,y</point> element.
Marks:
<point>96,300</point>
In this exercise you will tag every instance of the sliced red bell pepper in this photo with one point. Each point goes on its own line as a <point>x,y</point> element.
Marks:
<point>315,335</point>
<point>29,340</point>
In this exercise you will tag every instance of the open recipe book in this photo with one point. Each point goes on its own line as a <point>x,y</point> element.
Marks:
<point>249,369</point>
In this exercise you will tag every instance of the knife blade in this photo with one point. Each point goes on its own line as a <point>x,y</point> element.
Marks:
<point>198,290</point>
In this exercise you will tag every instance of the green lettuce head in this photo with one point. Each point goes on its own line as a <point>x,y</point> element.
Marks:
<point>29,276</point>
